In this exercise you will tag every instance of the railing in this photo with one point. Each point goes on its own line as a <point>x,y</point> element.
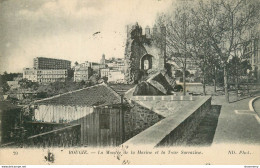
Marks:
<point>63,137</point>
<point>244,86</point>
<point>244,89</point>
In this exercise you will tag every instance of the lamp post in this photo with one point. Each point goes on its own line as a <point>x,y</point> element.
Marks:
<point>248,71</point>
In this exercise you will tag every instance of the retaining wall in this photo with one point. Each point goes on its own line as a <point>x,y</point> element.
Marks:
<point>174,129</point>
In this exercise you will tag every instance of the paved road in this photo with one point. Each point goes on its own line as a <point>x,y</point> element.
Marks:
<point>257,106</point>
<point>237,124</point>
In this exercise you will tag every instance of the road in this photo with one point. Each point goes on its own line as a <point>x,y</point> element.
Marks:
<point>236,123</point>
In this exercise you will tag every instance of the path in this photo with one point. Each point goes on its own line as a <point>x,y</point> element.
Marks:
<point>236,124</point>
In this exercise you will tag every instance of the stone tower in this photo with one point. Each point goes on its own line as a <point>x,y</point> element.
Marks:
<point>103,60</point>
<point>144,52</point>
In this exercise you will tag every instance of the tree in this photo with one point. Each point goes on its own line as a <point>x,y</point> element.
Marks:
<point>201,49</point>
<point>227,27</point>
<point>178,41</point>
<point>7,77</point>
<point>4,86</point>
<point>236,68</point>
<point>210,32</point>
<point>105,79</point>
<point>94,79</point>
<point>28,84</point>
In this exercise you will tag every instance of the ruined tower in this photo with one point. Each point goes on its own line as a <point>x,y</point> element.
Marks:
<point>144,52</point>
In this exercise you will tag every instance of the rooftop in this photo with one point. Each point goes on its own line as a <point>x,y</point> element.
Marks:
<point>52,59</point>
<point>157,84</point>
<point>121,88</point>
<point>98,95</point>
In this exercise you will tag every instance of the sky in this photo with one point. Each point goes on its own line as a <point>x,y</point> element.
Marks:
<point>64,29</point>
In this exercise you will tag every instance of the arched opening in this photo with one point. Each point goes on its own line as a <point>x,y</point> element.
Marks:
<point>146,62</point>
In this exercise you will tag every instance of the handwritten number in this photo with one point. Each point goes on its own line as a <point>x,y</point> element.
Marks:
<point>126,162</point>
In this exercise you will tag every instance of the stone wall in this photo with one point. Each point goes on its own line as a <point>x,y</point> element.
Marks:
<point>174,129</point>
<point>139,118</point>
<point>181,134</point>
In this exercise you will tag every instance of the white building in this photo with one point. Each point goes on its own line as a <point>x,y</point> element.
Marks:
<point>116,76</point>
<point>104,72</point>
<point>82,73</point>
<point>45,75</point>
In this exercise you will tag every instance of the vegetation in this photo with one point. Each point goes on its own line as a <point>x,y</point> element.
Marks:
<point>33,90</point>
<point>211,33</point>
<point>28,84</point>
<point>7,77</point>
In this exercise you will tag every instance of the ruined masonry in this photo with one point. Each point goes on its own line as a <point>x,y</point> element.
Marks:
<point>144,52</point>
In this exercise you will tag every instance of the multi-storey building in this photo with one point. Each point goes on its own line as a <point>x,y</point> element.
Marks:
<point>113,63</point>
<point>30,74</point>
<point>113,76</point>
<point>104,72</point>
<point>96,66</point>
<point>50,63</point>
<point>116,76</point>
<point>85,70</point>
<point>45,75</point>
<point>47,70</point>
<point>118,64</point>
<point>82,73</point>
<point>252,53</point>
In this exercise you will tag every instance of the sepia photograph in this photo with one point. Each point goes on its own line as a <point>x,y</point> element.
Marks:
<point>130,82</point>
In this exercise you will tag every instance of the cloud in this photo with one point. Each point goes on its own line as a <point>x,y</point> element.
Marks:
<point>69,9</point>
<point>64,28</point>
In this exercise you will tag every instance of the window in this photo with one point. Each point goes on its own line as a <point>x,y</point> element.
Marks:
<point>146,64</point>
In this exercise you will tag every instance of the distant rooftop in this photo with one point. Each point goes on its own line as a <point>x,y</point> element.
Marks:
<point>51,58</point>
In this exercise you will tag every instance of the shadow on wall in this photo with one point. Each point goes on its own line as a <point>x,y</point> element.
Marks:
<point>196,130</point>
<point>204,134</point>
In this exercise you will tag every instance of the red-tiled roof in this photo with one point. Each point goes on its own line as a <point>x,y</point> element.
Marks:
<point>92,96</point>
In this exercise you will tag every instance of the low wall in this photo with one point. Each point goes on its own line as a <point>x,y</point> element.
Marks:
<point>174,129</point>
<point>170,97</point>
<point>182,132</point>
